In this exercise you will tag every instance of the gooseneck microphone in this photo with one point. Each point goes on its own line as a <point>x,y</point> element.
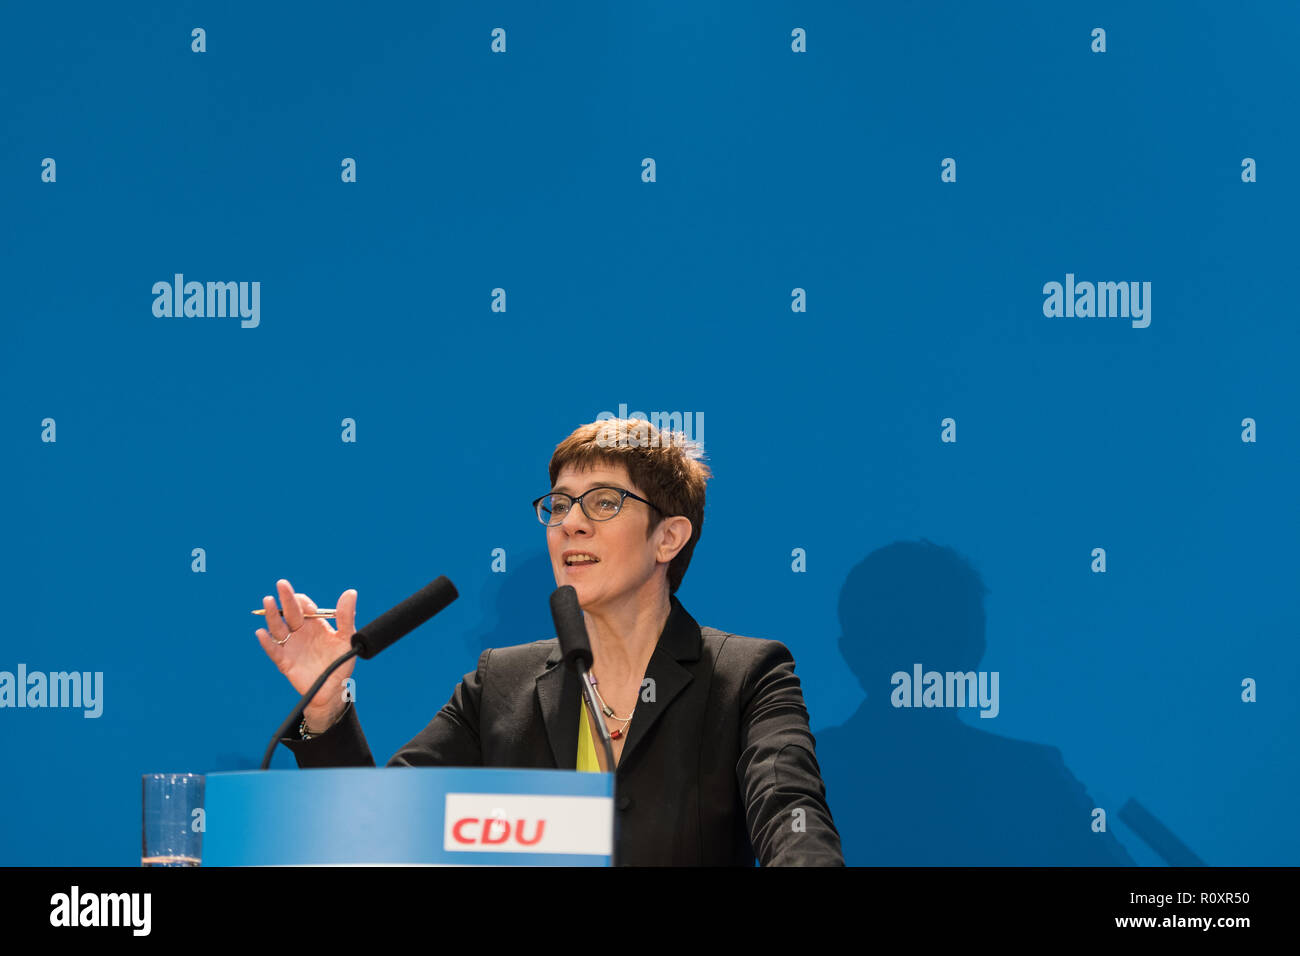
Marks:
<point>399,621</point>
<point>575,646</point>
<point>384,630</point>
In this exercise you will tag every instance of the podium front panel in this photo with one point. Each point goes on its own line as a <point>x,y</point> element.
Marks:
<point>452,816</point>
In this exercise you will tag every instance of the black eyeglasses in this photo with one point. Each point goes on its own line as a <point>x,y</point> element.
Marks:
<point>598,504</point>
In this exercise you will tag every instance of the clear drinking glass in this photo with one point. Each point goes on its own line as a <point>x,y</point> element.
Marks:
<point>172,832</point>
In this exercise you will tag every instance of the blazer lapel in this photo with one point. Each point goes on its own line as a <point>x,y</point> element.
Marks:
<point>679,642</point>
<point>560,696</point>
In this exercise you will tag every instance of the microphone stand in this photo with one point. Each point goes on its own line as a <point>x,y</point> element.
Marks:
<point>287,727</point>
<point>589,695</point>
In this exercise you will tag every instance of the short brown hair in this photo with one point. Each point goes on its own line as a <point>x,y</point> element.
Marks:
<point>666,465</point>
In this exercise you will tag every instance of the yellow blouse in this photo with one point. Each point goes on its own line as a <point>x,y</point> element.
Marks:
<point>586,746</point>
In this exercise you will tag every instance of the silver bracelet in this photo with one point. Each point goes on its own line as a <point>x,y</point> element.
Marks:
<point>302,727</point>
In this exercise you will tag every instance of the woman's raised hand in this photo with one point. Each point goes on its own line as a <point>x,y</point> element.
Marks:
<point>312,645</point>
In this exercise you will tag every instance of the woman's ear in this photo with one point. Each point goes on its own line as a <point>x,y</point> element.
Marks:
<point>673,533</point>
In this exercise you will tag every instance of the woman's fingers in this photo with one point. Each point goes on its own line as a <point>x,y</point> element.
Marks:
<point>274,622</point>
<point>291,609</point>
<point>347,613</point>
<point>309,607</point>
<point>273,651</point>
<point>286,620</point>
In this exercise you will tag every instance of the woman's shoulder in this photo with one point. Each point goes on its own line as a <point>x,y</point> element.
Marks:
<point>515,663</point>
<point>532,654</point>
<point>727,648</point>
<point>743,667</point>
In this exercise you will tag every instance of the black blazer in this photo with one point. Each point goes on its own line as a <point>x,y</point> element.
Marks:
<point>719,767</point>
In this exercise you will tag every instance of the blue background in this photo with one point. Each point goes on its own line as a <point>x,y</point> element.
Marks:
<point>775,171</point>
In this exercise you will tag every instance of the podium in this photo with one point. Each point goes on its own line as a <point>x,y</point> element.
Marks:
<point>448,816</point>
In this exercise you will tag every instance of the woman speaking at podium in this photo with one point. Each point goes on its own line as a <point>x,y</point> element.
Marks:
<point>714,757</point>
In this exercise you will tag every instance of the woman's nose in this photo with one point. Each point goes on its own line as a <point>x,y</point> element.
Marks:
<point>576,520</point>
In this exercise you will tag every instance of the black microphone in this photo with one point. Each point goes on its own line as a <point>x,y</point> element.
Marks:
<point>575,646</point>
<point>570,627</point>
<point>384,630</point>
<point>399,621</point>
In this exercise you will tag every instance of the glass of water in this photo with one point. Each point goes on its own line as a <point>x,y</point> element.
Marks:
<point>172,831</point>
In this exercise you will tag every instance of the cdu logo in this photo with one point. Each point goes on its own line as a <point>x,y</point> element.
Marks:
<point>496,830</point>
<point>528,823</point>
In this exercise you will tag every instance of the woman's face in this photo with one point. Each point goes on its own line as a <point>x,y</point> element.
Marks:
<point>625,555</point>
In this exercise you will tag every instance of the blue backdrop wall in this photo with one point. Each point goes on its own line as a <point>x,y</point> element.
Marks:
<point>828,232</point>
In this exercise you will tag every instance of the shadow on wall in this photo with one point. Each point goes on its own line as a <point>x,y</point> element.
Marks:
<point>914,785</point>
<point>517,601</point>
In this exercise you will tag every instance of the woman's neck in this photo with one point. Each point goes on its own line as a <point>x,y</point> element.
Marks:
<point>623,637</point>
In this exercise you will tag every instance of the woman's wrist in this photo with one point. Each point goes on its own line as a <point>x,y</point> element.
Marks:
<point>315,725</point>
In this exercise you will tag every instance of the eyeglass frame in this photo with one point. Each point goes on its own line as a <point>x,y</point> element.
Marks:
<point>577,500</point>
